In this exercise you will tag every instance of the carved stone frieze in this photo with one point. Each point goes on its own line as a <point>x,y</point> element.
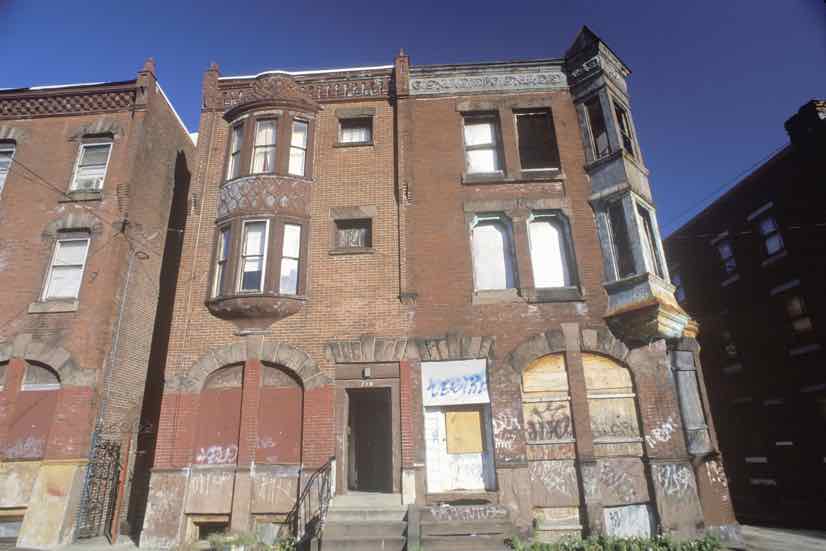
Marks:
<point>369,87</point>
<point>464,82</point>
<point>264,193</point>
<point>273,86</point>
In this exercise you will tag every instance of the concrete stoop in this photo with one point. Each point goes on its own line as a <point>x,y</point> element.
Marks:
<point>364,522</point>
<point>463,535</point>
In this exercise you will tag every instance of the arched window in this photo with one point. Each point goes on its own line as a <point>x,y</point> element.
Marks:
<point>492,253</point>
<point>550,257</point>
<point>219,418</point>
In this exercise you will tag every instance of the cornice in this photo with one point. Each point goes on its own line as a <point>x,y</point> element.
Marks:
<point>25,103</point>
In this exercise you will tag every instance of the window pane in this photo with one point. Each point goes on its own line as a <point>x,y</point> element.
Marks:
<point>353,233</point>
<point>491,256</point>
<point>299,138</point>
<point>70,253</point>
<point>223,244</point>
<point>254,238</point>
<point>649,242</point>
<point>252,272</point>
<point>89,177</point>
<point>297,161</point>
<point>774,244</point>
<point>235,143</point>
<point>596,122</point>
<point>356,130</point>
<point>5,160</point>
<point>548,255</point>
<point>767,226</point>
<point>537,144</point>
<point>289,276</point>
<point>479,133</point>
<point>482,160</point>
<point>265,133</point>
<point>619,235</point>
<point>264,160</point>
<point>95,155</point>
<point>64,282</point>
<point>292,240</point>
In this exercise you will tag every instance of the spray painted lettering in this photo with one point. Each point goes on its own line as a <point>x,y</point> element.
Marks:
<point>674,479</point>
<point>661,433</point>
<point>464,385</point>
<point>217,455</point>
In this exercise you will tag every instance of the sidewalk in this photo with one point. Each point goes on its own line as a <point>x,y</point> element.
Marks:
<point>759,538</point>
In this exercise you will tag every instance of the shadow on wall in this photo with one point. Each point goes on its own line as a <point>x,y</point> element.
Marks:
<point>145,453</point>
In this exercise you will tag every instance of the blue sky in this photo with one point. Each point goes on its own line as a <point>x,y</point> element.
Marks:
<point>713,80</point>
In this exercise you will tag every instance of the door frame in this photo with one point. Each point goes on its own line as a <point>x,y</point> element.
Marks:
<point>366,376</point>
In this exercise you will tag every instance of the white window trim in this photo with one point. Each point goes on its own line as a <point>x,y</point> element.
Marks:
<point>565,247</point>
<point>216,292</point>
<point>3,175</point>
<point>296,258</point>
<point>230,165</point>
<point>263,260</point>
<point>274,144</point>
<point>43,296</point>
<point>83,146</point>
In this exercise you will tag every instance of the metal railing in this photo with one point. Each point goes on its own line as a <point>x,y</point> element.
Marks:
<point>307,517</point>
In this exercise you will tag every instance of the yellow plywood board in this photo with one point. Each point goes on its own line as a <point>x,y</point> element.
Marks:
<point>464,431</point>
<point>546,374</point>
<point>604,374</point>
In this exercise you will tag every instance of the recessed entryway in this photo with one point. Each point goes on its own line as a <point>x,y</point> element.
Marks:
<point>370,440</point>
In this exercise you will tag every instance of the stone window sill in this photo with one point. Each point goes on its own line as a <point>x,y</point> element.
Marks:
<point>77,196</point>
<point>552,294</point>
<point>53,306</point>
<point>539,176</point>
<point>350,250</point>
<point>353,144</point>
<point>494,296</point>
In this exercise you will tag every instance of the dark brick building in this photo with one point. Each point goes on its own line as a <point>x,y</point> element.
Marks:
<point>750,268</point>
<point>436,288</point>
<point>87,178</point>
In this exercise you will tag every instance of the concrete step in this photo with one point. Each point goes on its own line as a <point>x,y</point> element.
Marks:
<point>465,527</point>
<point>357,514</point>
<point>464,543</point>
<point>365,529</point>
<point>366,500</point>
<point>363,544</point>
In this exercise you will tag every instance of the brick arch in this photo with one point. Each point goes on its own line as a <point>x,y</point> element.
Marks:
<point>598,340</point>
<point>293,359</point>
<point>26,347</point>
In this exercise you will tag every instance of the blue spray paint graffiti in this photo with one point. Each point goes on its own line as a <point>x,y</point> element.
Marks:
<point>463,385</point>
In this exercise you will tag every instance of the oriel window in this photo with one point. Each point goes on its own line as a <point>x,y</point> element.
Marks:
<point>298,148</point>
<point>290,257</point>
<point>235,141</point>
<point>626,134</point>
<point>596,123</point>
<point>253,256</point>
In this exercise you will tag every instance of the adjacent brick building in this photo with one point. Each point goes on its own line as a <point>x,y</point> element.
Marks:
<point>750,269</point>
<point>87,177</point>
<point>443,283</point>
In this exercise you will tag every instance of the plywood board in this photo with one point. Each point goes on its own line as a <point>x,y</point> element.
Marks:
<point>546,374</point>
<point>464,431</point>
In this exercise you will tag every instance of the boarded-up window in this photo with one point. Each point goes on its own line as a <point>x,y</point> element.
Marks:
<point>464,431</point>
<point>546,405</point>
<point>219,418</point>
<point>354,234</point>
<point>549,252</point>
<point>279,418</point>
<point>33,415</point>
<point>612,405</point>
<point>492,259</point>
<point>546,374</point>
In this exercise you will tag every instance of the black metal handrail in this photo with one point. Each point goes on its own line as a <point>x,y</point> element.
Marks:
<point>307,517</point>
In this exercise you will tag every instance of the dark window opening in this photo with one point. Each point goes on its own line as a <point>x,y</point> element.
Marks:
<point>206,529</point>
<point>625,129</point>
<point>354,234</point>
<point>537,141</point>
<point>726,252</point>
<point>649,237</point>
<point>621,244</point>
<point>596,122</point>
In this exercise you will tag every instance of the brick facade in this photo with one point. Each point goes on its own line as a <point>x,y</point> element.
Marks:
<point>96,346</point>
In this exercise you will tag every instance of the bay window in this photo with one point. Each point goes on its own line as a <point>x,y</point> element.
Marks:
<point>253,256</point>
<point>66,268</point>
<point>235,141</point>
<point>298,148</point>
<point>221,258</point>
<point>263,156</point>
<point>648,237</point>
<point>620,243</point>
<point>481,134</point>
<point>626,134</point>
<point>290,253</point>
<point>596,124</point>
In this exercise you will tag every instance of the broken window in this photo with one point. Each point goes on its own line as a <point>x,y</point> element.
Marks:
<point>6,156</point>
<point>550,257</point>
<point>66,268</point>
<point>253,253</point>
<point>626,134</point>
<point>290,255</point>
<point>234,163</point>
<point>221,257</point>
<point>90,171</point>
<point>492,254</point>
<point>537,141</point>
<point>356,131</point>
<point>596,123</point>
<point>650,248</point>
<point>298,148</point>
<point>623,257</point>
<point>263,156</point>
<point>481,144</point>
<point>726,252</point>
<point>354,234</point>
<point>772,240</point>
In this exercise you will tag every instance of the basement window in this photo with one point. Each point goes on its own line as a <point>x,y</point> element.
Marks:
<point>537,141</point>
<point>354,234</point>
